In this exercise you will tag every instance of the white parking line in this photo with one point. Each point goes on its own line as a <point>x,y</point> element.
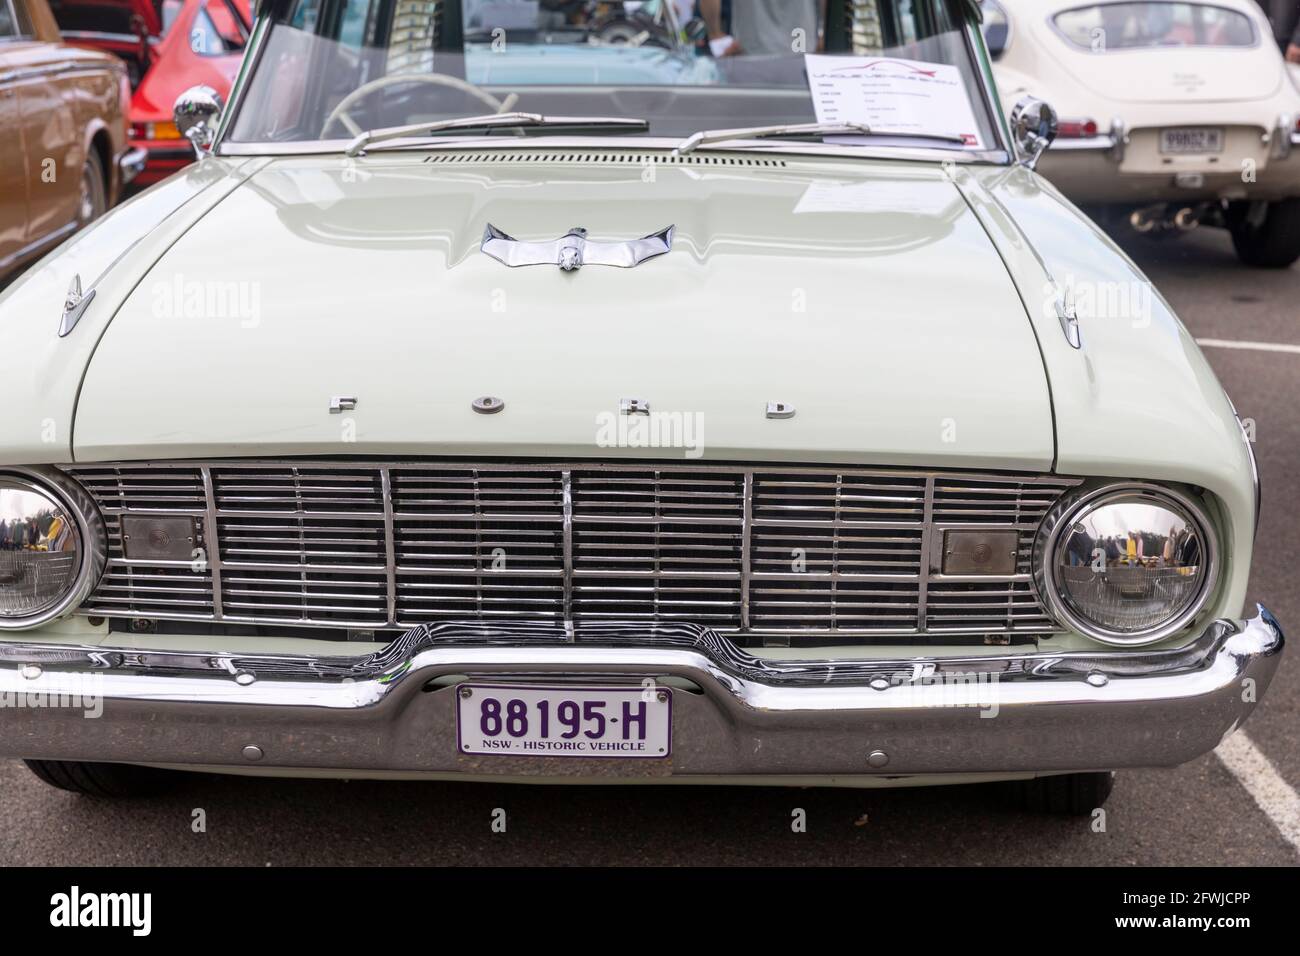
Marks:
<point>1256,773</point>
<point>1254,346</point>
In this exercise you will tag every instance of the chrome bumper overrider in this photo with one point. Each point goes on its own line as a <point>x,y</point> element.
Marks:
<point>132,163</point>
<point>733,714</point>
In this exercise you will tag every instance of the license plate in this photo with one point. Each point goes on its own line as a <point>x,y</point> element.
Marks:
<point>530,720</point>
<point>1191,140</point>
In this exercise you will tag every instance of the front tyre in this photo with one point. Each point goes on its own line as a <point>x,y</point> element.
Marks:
<point>1069,794</point>
<point>116,780</point>
<point>1265,235</point>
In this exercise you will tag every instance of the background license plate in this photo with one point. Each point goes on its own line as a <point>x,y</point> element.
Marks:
<point>1191,140</point>
<point>529,720</point>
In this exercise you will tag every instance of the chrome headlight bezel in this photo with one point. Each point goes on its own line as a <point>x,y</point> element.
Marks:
<point>1073,507</point>
<point>89,528</point>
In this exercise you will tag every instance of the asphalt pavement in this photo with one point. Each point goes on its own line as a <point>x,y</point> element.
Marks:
<point>1203,813</point>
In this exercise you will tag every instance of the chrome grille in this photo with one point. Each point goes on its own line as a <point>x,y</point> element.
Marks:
<point>768,551</point>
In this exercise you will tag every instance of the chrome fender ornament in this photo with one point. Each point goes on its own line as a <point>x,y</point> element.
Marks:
<point>574,250</point>
<point>74,305</point>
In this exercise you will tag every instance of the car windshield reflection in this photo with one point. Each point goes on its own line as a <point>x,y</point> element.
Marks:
<point>331,68</point>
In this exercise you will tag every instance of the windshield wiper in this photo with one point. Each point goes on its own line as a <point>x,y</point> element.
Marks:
<point>709,136</point>
<point>495,121</point>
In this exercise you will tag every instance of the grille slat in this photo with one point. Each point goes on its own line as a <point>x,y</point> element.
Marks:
<point>798,551</point>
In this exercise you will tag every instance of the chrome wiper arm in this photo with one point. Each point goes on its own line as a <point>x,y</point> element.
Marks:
<point>708,137</point>
<point>493,121</point>
<point>485,121</point>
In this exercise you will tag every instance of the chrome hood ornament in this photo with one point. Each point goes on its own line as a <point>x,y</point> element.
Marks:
<point>573,250</point>
<point>74,305</point>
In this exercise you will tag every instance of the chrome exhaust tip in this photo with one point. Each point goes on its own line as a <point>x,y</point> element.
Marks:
<point>1144,221</point>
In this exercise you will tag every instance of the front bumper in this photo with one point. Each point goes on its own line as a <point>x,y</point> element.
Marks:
<point>734,715</point>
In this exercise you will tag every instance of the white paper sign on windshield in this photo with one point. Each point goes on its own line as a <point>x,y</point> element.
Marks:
<point>886,93</point>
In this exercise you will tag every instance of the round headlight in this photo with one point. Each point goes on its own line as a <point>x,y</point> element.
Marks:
<point>1127,564</point>
<point>51,549</point>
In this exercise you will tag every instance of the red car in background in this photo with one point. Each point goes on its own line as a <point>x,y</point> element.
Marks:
<point>123,27</point>
<point>169,46</point>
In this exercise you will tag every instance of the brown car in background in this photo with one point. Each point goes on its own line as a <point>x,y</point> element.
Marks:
<point>64,156</point>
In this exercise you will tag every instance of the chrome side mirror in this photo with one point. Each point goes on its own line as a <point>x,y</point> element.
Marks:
<point>1033,127</point>
<point>196,113</point>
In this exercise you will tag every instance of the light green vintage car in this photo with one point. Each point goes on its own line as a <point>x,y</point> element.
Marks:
<point>783,428</point>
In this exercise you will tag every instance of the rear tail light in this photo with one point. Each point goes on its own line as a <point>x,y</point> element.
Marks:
<point>1076,129</point>
<point>162,131</point>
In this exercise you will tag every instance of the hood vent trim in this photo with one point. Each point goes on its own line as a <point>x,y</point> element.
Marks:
<point>577,158</point>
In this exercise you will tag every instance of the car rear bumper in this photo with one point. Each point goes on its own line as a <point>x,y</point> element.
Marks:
<point>1125,166</point>
<point>1091,178</point>
<point>733,715</point>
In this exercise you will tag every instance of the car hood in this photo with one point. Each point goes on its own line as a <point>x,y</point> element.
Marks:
<point>866,295</point>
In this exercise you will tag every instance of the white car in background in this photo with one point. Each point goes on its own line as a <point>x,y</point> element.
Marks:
<point>1181,113</point>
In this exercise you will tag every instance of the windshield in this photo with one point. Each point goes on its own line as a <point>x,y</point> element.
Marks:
<point>1135,26</point>
<point>331,69</point>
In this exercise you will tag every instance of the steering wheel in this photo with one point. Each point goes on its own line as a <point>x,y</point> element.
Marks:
<point>622,33</point>
<point>340,112</point>
<point>628,32</point>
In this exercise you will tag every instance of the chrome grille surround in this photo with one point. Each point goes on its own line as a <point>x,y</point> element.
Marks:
<point>767,551</point>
